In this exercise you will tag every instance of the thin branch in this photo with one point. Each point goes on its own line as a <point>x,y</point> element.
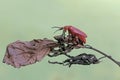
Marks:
<point>109,57</point>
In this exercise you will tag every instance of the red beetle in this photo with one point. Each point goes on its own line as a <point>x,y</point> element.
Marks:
<point>78,34</point>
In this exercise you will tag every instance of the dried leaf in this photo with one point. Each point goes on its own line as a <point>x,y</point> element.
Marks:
<point>22,53</point>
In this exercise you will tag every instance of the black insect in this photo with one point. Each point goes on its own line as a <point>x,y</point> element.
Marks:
<point>81,59</point>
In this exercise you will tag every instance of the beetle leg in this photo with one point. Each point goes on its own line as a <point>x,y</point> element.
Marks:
<point>63,34</point>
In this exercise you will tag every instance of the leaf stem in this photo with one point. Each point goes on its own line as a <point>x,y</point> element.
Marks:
<point>109,57</point>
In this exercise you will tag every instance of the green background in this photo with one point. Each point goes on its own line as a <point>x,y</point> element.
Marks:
<point>32,19</point>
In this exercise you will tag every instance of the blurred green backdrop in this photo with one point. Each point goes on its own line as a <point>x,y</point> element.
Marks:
<point>32,19</point>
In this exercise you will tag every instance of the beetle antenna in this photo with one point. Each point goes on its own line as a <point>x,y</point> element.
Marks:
<point>56,27</point>
<point>59,28</point>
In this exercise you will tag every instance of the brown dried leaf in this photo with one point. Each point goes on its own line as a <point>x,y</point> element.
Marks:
<point>22,53</point>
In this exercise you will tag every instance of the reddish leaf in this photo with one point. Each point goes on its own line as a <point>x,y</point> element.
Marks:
<point>22,53</point>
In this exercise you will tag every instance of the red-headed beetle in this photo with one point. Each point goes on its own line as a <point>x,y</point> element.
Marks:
<point>76,33</point>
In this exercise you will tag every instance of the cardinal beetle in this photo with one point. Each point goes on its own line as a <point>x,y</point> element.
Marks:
<point>75,33</point>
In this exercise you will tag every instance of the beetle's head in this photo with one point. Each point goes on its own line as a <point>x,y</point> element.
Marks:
<point>59,28</point>
<point>66,28</point>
